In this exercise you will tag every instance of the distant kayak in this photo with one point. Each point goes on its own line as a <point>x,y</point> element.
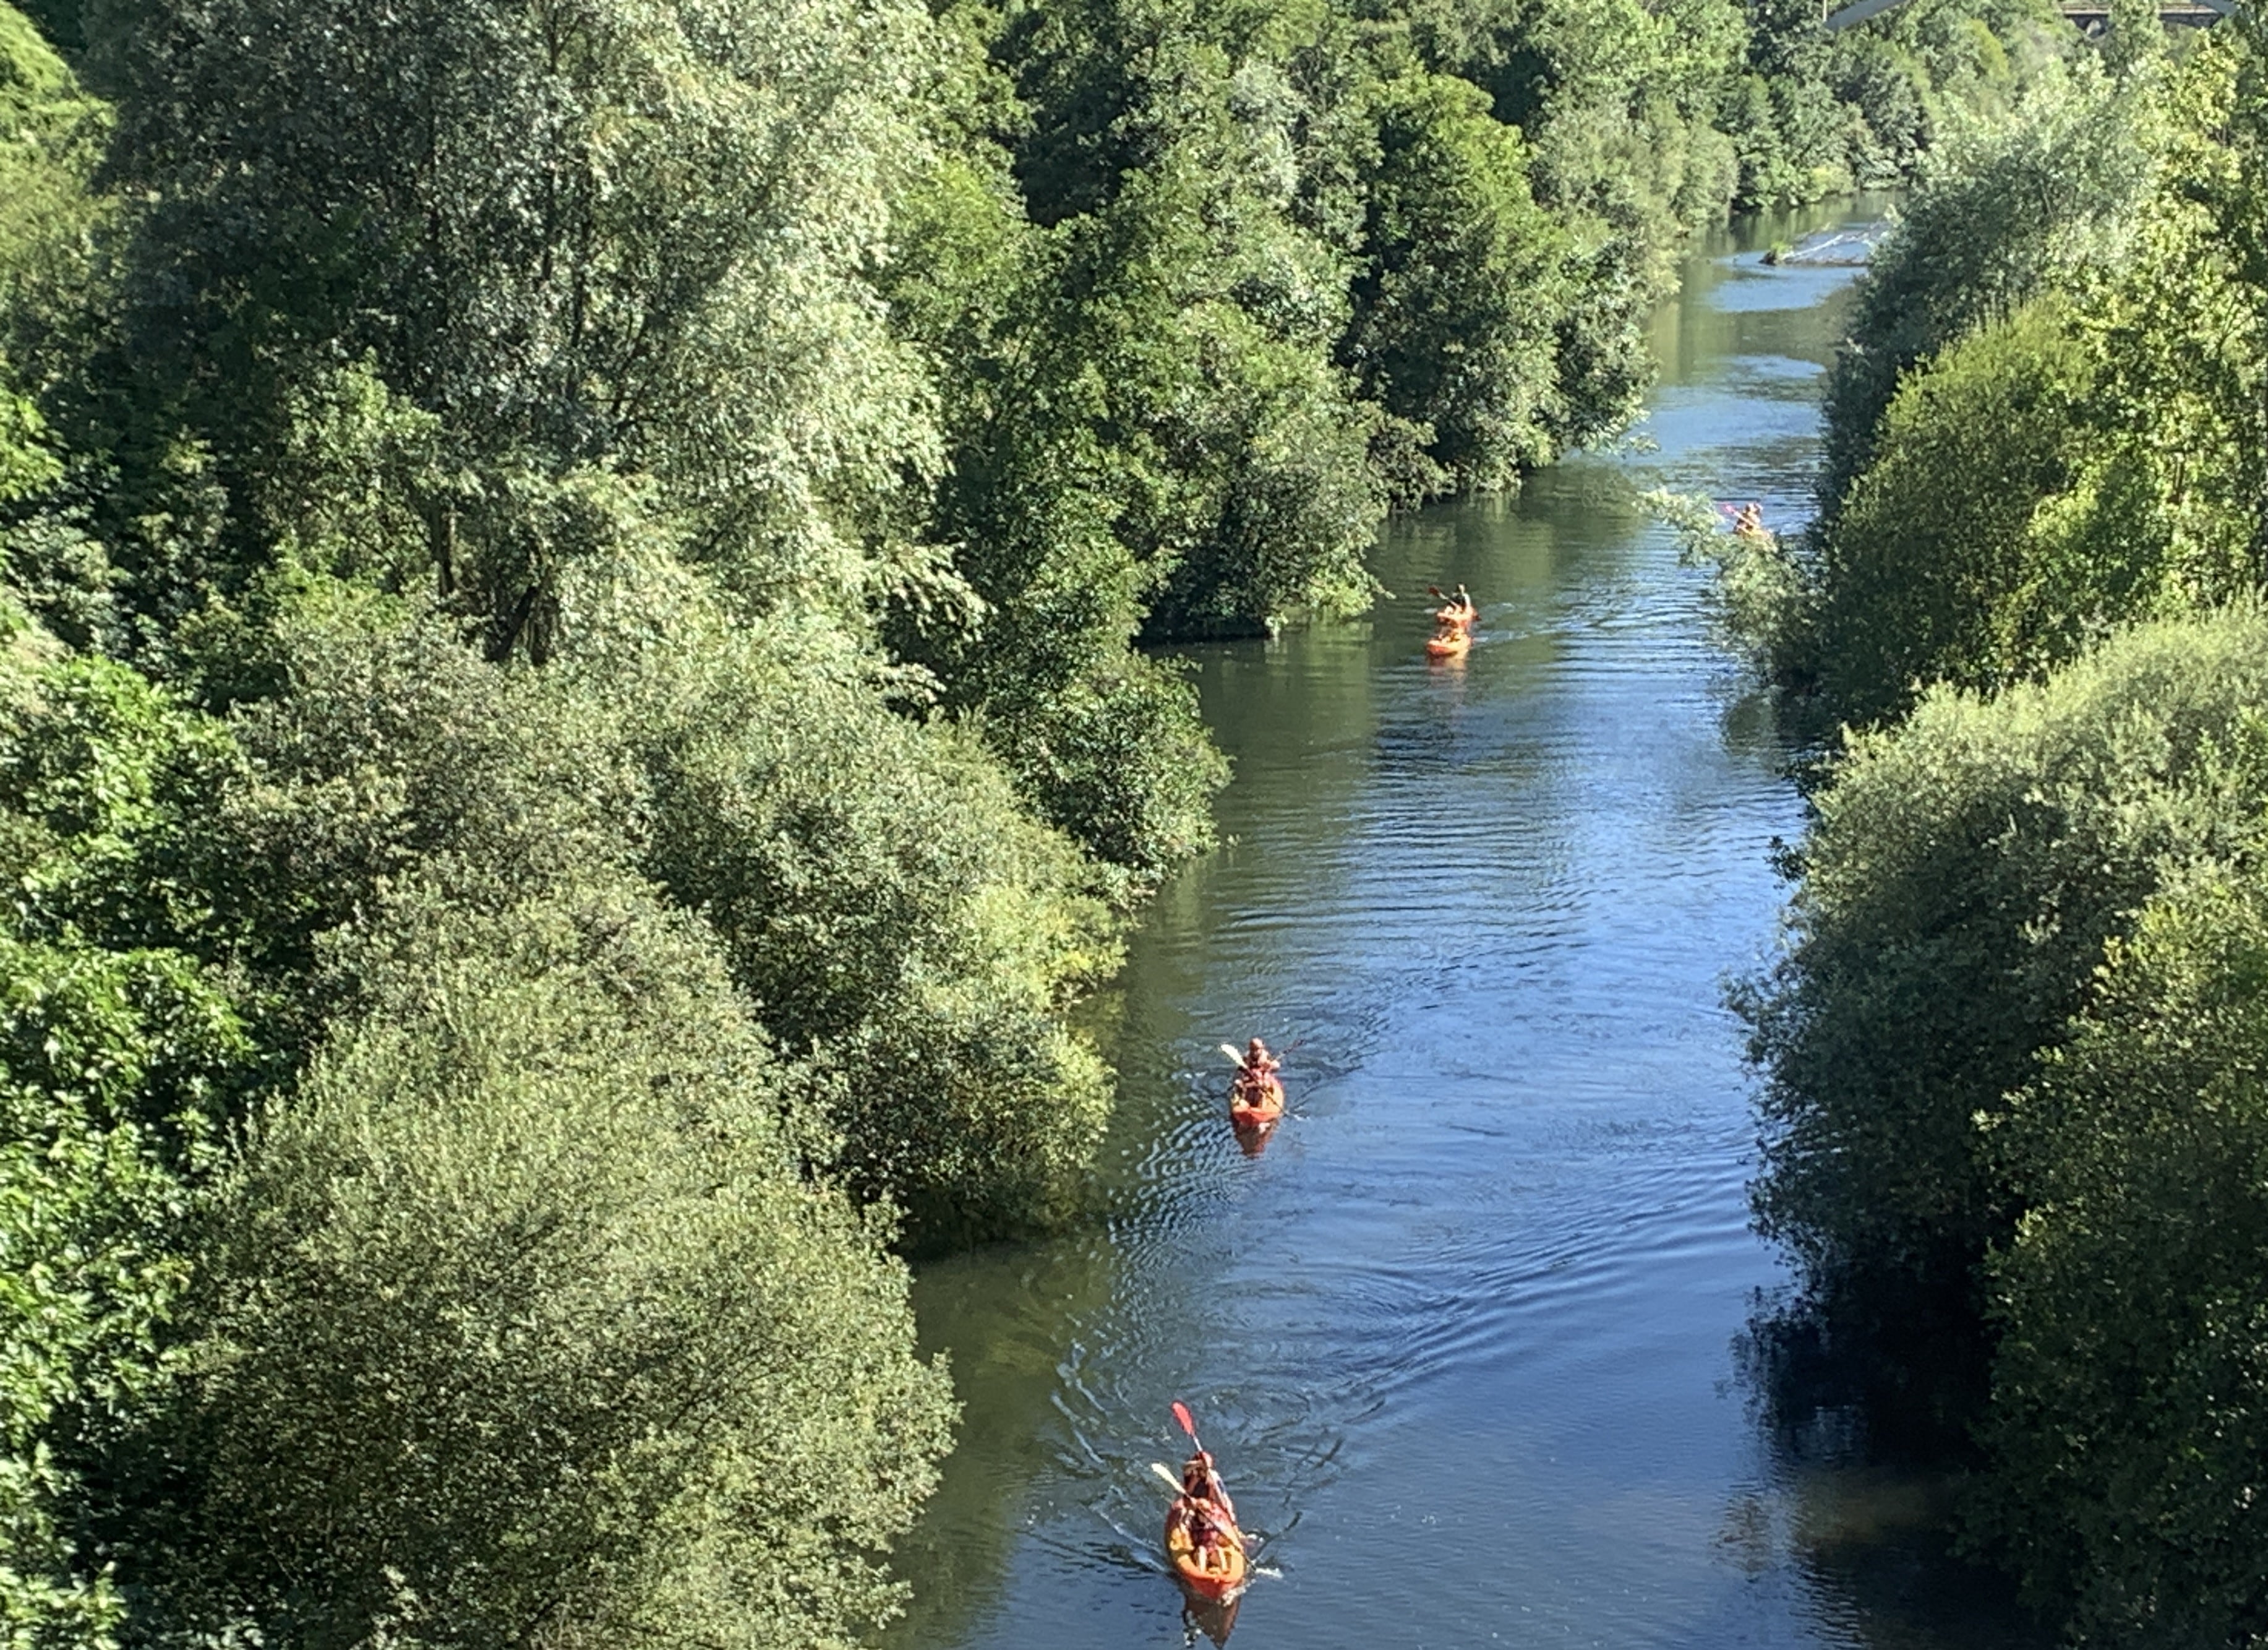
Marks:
<point>1182,1549</point>
<point>1255,1105</point>
<point>1453,645</point>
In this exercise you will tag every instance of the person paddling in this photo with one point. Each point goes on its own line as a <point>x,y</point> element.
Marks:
<point>1455,617</point>
<point>1200,1481</point>
<point>1206,1513</point>
<point>1207,1548</point>
<point>1256,1070</point>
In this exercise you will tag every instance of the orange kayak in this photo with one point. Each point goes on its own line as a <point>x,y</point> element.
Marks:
<point>1181,1547</point>
<point>1451,645</point>
<point>1251,1109</point>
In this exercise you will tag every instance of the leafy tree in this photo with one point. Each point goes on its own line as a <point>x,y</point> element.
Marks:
<point>114,1070</point>
<point>2182,331</point>
<point>1944,562</point>
<point>108,782</point>
<point>583,238</point>
<point>1146,433</point>
<point>51,134</point>
<point>882,896</point>
<point>1104,741</point>
<point>393,752</point>
<point>518,1323</point>
<point>118,1069</point>
<point>1619,106</point>
<point>1967,869</point>
<point>2002,214</point>
<point>1120,762</point>
<point>1816,114</point>
<point>1456,307</point>
<point>2039,475</point>
<point>51,137</point>
<point>893,914</point>
<point>2129,1399</point>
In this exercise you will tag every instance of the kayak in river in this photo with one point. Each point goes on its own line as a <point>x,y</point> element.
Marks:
<point>1254,1103</point>
<point>1454,621</point>
<point>1220,1578</point>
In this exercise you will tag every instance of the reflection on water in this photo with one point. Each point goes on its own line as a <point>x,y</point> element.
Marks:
<point>1214,1618</point>
<point>1462,1334</point>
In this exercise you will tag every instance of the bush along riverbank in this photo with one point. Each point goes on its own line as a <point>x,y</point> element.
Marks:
<point>575,719</point>
<point>2012,1100</point>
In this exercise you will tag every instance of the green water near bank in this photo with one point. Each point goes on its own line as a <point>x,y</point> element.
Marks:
<point>1466,1336</point>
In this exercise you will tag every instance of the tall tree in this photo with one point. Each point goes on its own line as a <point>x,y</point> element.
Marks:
<point>582,235</point>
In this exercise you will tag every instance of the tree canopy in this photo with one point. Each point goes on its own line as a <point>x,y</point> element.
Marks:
<point>579,583</point>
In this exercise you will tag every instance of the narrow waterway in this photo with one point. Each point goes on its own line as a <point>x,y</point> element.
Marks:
<point>1465,1336</point>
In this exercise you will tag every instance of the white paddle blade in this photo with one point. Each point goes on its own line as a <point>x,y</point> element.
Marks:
<point>1231,1052</point>
<point>1173,1479</point>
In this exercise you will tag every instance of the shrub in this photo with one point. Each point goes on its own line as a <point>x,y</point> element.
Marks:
<point>518,1323</point>
<point>1935,568</point>
<point>1964,873</point>
<point>116,1070</point>
<point>893,912</point>
<point>2129,1417</point>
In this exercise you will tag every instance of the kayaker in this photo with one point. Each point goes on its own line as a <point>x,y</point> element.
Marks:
<point>1212,1548</point>
<point>1456,616</point>
<point>1750,520</point>
<point>1202,1488</point>
<point>1255,1072</point>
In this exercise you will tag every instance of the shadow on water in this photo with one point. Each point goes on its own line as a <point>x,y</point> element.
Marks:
<point>1460,1335</point>
<point>1876,1475</point>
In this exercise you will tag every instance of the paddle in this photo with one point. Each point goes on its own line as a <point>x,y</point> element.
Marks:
<point>1182,1414</point>
<point>1173,1479</point>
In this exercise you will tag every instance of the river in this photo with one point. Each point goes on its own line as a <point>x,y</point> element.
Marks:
<point>1465,1335</point>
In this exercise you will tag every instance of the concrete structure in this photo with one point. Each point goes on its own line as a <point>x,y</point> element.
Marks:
<point>2092,16</point>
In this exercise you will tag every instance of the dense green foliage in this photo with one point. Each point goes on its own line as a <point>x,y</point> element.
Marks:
<point>890,913</point>
<point>1865,105</point>
<point>2129,1395</point>
<point>120,1053</point>
<point>2012,1130</point>
<point>663,1388</point>
<point>1940,564</point>
<point>2008,211</point>
<point>573,245</point>
<point>1964,872</point>
<point>50,139</point>
<point>571,713</point>
<point>2046,422</point>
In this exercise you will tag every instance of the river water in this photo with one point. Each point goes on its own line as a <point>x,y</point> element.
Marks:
<point>1465,1335</point>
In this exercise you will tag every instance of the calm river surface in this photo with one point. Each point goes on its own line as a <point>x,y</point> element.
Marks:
<point>1465,1336</point>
